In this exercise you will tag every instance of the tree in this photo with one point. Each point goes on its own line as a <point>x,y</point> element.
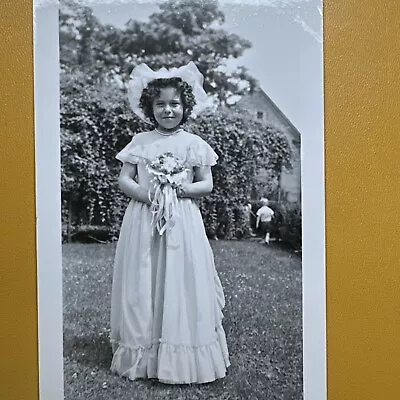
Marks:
<point>188,30</point>
<point>87,46</point>
<point>182,31</point>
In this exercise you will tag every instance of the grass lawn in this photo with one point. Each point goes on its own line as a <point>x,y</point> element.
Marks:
<point>263,324</point>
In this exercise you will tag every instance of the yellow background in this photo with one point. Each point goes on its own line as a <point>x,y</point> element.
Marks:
<point>362,95</point>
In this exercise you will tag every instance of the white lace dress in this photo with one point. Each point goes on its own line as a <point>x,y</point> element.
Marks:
<point>167,299</point>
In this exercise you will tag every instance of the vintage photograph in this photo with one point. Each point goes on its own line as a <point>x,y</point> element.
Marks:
<point>182,125</point>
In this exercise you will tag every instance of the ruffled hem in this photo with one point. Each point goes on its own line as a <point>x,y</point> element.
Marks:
<point>190,148</point>
<point>173,363</point>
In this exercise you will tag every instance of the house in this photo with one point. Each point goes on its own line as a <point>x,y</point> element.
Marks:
<point>265,111</point>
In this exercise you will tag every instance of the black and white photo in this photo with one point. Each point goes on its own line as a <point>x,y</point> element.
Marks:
<point>188,195</point>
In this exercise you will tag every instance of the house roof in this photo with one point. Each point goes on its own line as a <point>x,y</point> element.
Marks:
<point>294,130</point>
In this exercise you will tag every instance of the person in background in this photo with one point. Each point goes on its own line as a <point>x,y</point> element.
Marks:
<point>264,218</point>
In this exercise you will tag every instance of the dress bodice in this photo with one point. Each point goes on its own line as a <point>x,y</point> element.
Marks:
<point>145,147</point>
<point>144,177</point>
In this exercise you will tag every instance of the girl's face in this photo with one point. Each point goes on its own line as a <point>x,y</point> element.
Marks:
<point>168,108</point>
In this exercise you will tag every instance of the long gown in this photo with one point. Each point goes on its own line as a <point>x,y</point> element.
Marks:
<point>167,299</point>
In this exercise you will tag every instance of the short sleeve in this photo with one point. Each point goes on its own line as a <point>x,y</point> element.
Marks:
<point>131,153</point>
<point>190,148</point>
<point>202,154</point>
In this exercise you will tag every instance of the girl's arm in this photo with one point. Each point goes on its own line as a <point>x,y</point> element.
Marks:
<point>258,220</point>
<point>202,185</point>
<point>128,185</point>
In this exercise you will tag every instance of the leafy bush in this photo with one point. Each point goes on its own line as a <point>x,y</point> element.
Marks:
<point>243,147</point>
<point>89,234</point>
<point>289,225</point>
<point>95,122</point>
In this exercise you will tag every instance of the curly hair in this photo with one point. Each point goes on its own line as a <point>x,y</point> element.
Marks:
<point>153,90</point>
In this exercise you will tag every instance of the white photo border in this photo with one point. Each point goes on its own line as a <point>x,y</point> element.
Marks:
<point>48,208</point>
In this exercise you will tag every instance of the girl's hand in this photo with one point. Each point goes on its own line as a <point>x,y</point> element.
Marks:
<point>129,186</point>
<point>181,190</point>
<point>201,186</point>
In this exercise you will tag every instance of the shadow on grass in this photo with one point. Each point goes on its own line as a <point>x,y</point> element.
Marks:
<point>91,351</point>
<point>96,352</point>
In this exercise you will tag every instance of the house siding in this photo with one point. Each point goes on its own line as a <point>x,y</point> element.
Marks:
<point>258,102</point>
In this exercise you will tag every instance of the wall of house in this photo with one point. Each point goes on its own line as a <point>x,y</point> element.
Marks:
<point>257,104</point>
<point>291,182</point>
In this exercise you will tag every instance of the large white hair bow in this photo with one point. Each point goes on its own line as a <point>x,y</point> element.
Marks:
<point>142,75</point>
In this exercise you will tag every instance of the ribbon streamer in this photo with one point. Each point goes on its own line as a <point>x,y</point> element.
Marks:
<point>164,206</point>
<point>165,199</point>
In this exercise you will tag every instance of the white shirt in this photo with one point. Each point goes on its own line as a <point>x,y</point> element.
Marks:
<point>265,214</point>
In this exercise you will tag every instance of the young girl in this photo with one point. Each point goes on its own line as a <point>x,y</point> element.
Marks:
<point>167,299</point>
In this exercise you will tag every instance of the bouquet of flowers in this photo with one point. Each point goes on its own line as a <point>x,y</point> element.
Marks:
<point>168,174</point>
